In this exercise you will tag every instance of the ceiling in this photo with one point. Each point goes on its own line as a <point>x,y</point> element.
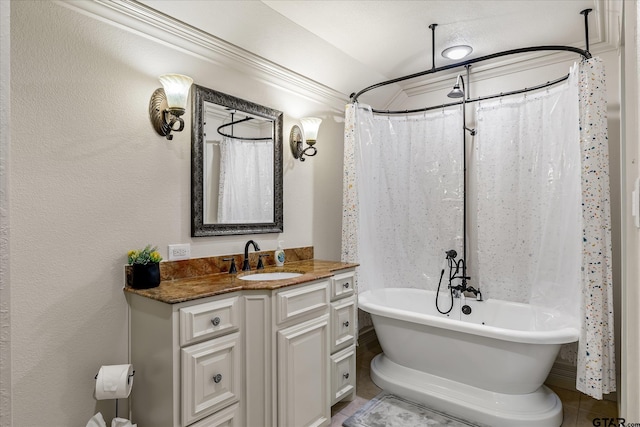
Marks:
<point>347,45</point>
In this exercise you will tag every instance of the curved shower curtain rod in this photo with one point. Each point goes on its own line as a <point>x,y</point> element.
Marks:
<point>582,52</point>
<point>239,137</point>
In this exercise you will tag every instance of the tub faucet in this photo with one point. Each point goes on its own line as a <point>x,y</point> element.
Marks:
<point>475,292</point>
<point>245,264</point>
<point>455,268</point>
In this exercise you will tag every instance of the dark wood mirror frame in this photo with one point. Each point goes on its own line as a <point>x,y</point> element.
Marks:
<point>200,95</point>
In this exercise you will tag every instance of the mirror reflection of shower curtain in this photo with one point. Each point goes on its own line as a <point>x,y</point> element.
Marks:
<point>246,167</point>
<point>408,172</point>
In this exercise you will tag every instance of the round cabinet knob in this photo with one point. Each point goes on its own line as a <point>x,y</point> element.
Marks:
<point>346,375</point>
<point>346,324</point>
<point>346,285</point>
<point>217,378</point>
<point>215,321</point>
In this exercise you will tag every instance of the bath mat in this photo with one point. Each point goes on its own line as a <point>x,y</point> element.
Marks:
<point>388,410</point>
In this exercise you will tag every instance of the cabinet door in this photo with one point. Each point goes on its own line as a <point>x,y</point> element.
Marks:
<point>211,376</point>
<point>303,374</point>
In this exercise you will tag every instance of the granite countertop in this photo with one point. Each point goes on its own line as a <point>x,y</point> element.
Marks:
<point>201,286</point>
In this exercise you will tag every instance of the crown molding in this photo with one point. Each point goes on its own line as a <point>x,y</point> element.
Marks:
<point>154,25</point>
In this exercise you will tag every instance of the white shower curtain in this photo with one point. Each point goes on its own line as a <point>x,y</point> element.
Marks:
<point>246,167</point>
<point>544,233</point>
<point>528,199</point>
<point>544,230</point>
<point>405,210</point>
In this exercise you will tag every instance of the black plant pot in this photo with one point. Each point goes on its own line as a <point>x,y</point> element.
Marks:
<point>146,276</point>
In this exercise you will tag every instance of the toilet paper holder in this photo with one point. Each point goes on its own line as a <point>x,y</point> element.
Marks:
<point>128,382</point>
<point>128,377</point>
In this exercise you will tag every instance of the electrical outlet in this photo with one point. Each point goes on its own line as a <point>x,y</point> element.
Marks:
<point>178,252</point>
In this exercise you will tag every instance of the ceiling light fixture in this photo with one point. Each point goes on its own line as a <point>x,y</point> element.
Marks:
<point>457,52</point>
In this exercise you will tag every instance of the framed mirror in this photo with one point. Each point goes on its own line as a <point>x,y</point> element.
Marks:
<point>236,165</point>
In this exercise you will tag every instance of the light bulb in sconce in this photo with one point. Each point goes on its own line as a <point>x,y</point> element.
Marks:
<point>168,103</point>
<point>309,132</point>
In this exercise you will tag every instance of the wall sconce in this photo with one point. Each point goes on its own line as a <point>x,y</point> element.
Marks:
<point>168,103</point>
<point>310,127</point>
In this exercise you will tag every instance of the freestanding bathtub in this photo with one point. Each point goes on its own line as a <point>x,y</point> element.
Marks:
<point>487,367</point>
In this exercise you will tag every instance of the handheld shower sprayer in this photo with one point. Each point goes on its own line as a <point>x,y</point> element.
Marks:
<point>451,255</point>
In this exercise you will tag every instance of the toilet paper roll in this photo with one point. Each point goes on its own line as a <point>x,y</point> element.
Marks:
<point>114,382</point>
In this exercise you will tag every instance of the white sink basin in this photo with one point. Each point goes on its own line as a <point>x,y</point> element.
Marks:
<point>277,275</point>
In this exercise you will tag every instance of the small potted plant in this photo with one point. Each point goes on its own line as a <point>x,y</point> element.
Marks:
<point>146,267</point>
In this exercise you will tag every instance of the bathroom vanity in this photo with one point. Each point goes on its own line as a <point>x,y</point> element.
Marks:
<point>217,350</point>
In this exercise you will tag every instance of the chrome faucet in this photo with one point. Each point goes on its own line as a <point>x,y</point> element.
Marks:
<point>245,264</point>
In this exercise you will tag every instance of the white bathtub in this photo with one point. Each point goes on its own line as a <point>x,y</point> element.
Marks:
<point>486,367</point>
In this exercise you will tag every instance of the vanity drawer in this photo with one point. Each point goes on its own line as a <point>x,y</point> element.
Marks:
<point>211,377</point>
<point>343,374</point>
<point>301,301</point>
<point>343,323</point>
<point>342,285</point>
<point>212,319</point>
<point>228,417</point>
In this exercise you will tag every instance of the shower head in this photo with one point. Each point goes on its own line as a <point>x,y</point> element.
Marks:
<point>456,92</point>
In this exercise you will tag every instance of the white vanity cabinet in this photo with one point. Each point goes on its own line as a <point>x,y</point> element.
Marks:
<point>258,358</point>
<point>189,360</point>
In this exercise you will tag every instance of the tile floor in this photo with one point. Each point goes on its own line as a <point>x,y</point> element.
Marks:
<point>579,409</point>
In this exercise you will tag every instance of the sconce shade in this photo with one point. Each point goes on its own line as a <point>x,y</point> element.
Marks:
<point>167,104</point>
<point>310,127</point>
<point>176,88</point>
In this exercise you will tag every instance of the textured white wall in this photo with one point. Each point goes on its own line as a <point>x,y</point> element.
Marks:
<point>5,290</point>
<point>90,179</point>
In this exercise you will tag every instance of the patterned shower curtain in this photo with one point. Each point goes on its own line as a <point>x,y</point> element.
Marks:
<point>596,350</point>
<point>596,362</point>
